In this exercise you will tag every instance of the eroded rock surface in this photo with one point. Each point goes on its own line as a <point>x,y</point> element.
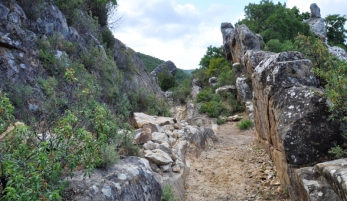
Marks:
<point>130,179</point>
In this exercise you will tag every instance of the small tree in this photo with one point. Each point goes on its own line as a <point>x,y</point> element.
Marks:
<point>336,31</point>
<point>166,81</point>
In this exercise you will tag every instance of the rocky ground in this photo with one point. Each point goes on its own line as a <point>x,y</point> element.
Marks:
<point>232,169</point>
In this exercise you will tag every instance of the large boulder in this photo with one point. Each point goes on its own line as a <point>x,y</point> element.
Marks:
<point>290,113</point>
<point>338,52</point>
<point>317,23</point>
<point>241,40</point>
<point>311,186</point>
<point>167,66</point>
<point>130,179</point>
<point>244,91</point>
<point>141,119</point>
<point>158,157</point>
<point>253,58</point>
<point>226,29</point>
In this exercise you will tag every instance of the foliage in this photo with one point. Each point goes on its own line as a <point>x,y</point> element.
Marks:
<point>183,90</point>
<point>245,124</point>
<point>168,194</point>
<point>336,32</point>
<point>108,38</point>
<point>150,62</point>
<point>6,112</point>
<point>337,151</point>
<point>274,21</point>
<point>181,75</point>
<point>212,52</point>
<point>33,164</point>
<point>166,81</point>
<point>212,108</point>
<point>205,95</point>
<point>220,121</point>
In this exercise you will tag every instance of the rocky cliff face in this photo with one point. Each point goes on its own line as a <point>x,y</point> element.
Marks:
<point>290,113</point>
<point>19,53</point>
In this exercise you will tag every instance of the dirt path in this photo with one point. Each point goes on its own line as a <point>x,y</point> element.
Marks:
<point>231,170</point>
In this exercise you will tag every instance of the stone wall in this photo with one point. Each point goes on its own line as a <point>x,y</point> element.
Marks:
<point>290,116</point>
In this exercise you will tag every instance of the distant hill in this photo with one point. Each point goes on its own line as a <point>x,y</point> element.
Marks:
<point>152,62</point>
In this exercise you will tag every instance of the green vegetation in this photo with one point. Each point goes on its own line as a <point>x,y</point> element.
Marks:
<point>150,62</point>
<point>336,32</point>
<point>274,21</point>
<point>245,124</point>
<point>277,24</point>
<point>182,91</point>
<point>214,64</point>
<point>167,194</point>
<point>166,81</point>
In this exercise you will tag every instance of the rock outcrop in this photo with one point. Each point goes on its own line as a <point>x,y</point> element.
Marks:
<point>130,179</point>
<point>227,29</point>
<point>290,114</point>
<point>167,66</point>
<point>241,40</point>
<point>136,77</point>
<point>316,23</point>
<point>168,146</point>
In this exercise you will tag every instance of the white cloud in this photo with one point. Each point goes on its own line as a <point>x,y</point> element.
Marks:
<point>169,31</point>
<point>326,6</point>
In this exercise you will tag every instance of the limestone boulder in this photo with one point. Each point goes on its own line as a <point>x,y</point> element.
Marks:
<point>117,183</point>
<point>335,172</point>
<point>199,136</point>
<point>226,89</point>
<point>142,136</point>
<point>312,186</point>
<point>338,52</point>
<point>244,91</point>
<point>253,58</point>
<point>290,114</point>
<point>141,119</point>
<point>317,23</point>
<point>158,157</point>
<point>167,66</point>
<point>227,28</point>
<point>150,145</point>
<point>159,137</point>
<point>213,81</point>
<point>241,40</point>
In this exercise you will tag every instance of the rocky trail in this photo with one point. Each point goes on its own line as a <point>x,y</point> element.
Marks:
<point>232,169</point>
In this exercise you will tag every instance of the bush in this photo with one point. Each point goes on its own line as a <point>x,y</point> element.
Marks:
<point>167,194</point>
<point>205,95</point>
<point>213,108</point>
<point>220,121</point>
<point>245,124</point>
<point>181,92</point>
<point>166,81</point>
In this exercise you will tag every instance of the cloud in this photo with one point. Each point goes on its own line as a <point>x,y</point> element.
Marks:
<point>171,31</point>
<point>326,6</point>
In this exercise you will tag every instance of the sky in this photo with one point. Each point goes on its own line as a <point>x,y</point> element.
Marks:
<point>181,30</point>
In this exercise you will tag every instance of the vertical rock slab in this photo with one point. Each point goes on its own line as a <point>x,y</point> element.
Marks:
<point>241,40</point>
<point>290,113</point>
<point>226,29</point>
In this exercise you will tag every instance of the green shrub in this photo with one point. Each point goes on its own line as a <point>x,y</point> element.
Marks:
<point>182,91</point>
<point>220,121</point>
<point>245,124</point>
<point>337,151</point>
<point>166,81</point>
<point>212,109</point>
<point>205,95</point>
<point>168,194</point>
<point>33,170</point>
<point>108,38</point>
<point>6,112</point>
